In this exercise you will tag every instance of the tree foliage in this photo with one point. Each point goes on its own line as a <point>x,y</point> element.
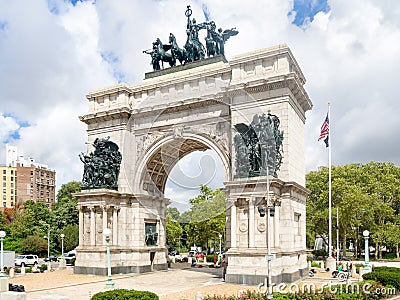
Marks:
<point>367,197</point>
<point>206,218</point>
<point>26,227</point>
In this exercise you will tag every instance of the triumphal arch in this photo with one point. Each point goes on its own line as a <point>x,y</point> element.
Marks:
<point>249,110</point>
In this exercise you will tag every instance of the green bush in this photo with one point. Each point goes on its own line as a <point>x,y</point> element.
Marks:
<point>385,275</point>
<point>125,295</point>
<point>43,267</point>
<point>210,257</point>
<point>315,264</point>
<point>320,253</point>
<point>389,255</point>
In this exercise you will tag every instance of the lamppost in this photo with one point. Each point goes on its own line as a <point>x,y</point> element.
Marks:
<point>2,236</point>
<point>62,245</point>
<point>367,267</point>
<point>270,212</point>
<point>48,240</point>
<point>110,283</point>
<point>220,239</point>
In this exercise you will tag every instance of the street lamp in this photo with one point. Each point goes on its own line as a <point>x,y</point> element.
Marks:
<point>62,244</point>
<point>367,267</point>
<point>48,240</point>
<point>110,283</point>
<point>269,213</point>
<point>2,236</point>
<point>220,238</point>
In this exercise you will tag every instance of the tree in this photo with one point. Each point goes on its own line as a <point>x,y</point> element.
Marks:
<point>173,212</point>
<point>71,237</point>
<point>34,244</point>
<point>68,189</point>
<point>174,232</point>
<point>367,197</point>
<point>206,218</point>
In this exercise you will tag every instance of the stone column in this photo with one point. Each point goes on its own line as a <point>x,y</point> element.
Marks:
<point>115,225</point>
<point>92,226</point>
<point>233,225</point>
<point>251,223</point>
<point>104,208</point>
<point>81,226</point>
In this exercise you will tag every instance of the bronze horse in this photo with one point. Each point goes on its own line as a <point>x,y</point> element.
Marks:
<point>177,53</point>
<point>162,55</point>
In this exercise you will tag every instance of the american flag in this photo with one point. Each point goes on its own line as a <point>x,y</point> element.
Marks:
<point>325,131</point>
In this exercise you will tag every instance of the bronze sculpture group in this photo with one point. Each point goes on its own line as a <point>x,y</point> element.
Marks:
<point>101,167</point>
<point>193,50</point>
<point>258,147</point>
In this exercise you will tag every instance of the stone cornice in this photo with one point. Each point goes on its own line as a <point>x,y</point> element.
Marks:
<point>106,115</point>
<point>290,81</point>
<point>182,105</point>
<point>115,89</point>
<point>266,53</point>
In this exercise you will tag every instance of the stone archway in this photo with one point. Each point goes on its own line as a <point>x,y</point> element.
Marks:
<point>203,105</point>
<point>161,157</point>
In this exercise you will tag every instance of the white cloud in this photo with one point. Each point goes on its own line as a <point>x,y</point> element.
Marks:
<point>8,125</point>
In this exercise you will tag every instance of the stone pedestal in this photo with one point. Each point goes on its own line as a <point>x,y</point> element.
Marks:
<point>248,265</point>
<point>62,264</point>
<point>3,284</point>
<point>331,264</point>
<point>126,215</point>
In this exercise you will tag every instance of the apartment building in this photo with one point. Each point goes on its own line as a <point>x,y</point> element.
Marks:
<point>35,183</point>
<point>24,179</point>
<point>8,182</point>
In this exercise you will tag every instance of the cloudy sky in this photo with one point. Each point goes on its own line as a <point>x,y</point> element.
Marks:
<point>52,53</point>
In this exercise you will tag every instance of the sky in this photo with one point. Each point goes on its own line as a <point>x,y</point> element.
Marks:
<point>54,52</point>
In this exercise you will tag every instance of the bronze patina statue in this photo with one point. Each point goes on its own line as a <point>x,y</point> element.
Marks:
<point>101,167</point>
<point>193,50</point>
<point>258,147</point>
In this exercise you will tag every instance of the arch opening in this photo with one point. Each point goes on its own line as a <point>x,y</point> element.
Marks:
<point>165,155</point>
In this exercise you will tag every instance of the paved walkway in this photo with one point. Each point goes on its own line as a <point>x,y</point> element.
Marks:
<point>161,283</point>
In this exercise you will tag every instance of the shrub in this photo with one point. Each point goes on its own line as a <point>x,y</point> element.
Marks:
<point>389,255</point>
<point>320,253</point>
<point>210,257</point>
<point>43,267</point>
<point>315,264</point>
<point>385,275</point>
<point>125,295</point>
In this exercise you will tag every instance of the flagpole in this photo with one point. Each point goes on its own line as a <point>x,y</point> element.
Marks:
<point>330,182</point>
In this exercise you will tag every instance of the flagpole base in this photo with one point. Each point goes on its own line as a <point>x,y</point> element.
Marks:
<point>331,263</point>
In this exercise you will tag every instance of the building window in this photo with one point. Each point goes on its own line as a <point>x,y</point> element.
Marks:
<point>12,172</point>
<point>4,184</point>
<point>4,172</point>
<point>12,197</point>
<point>4,197</point>
<point>4,178</point>
<point>31,173</point>
<point>12,178</point>
<point>12,204</point>
<point>12,191</point>
<point>4,191</point>
<point>31,197</point>
<point>31,191</point>
<point>12,184</point>
<point>4,204</point>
